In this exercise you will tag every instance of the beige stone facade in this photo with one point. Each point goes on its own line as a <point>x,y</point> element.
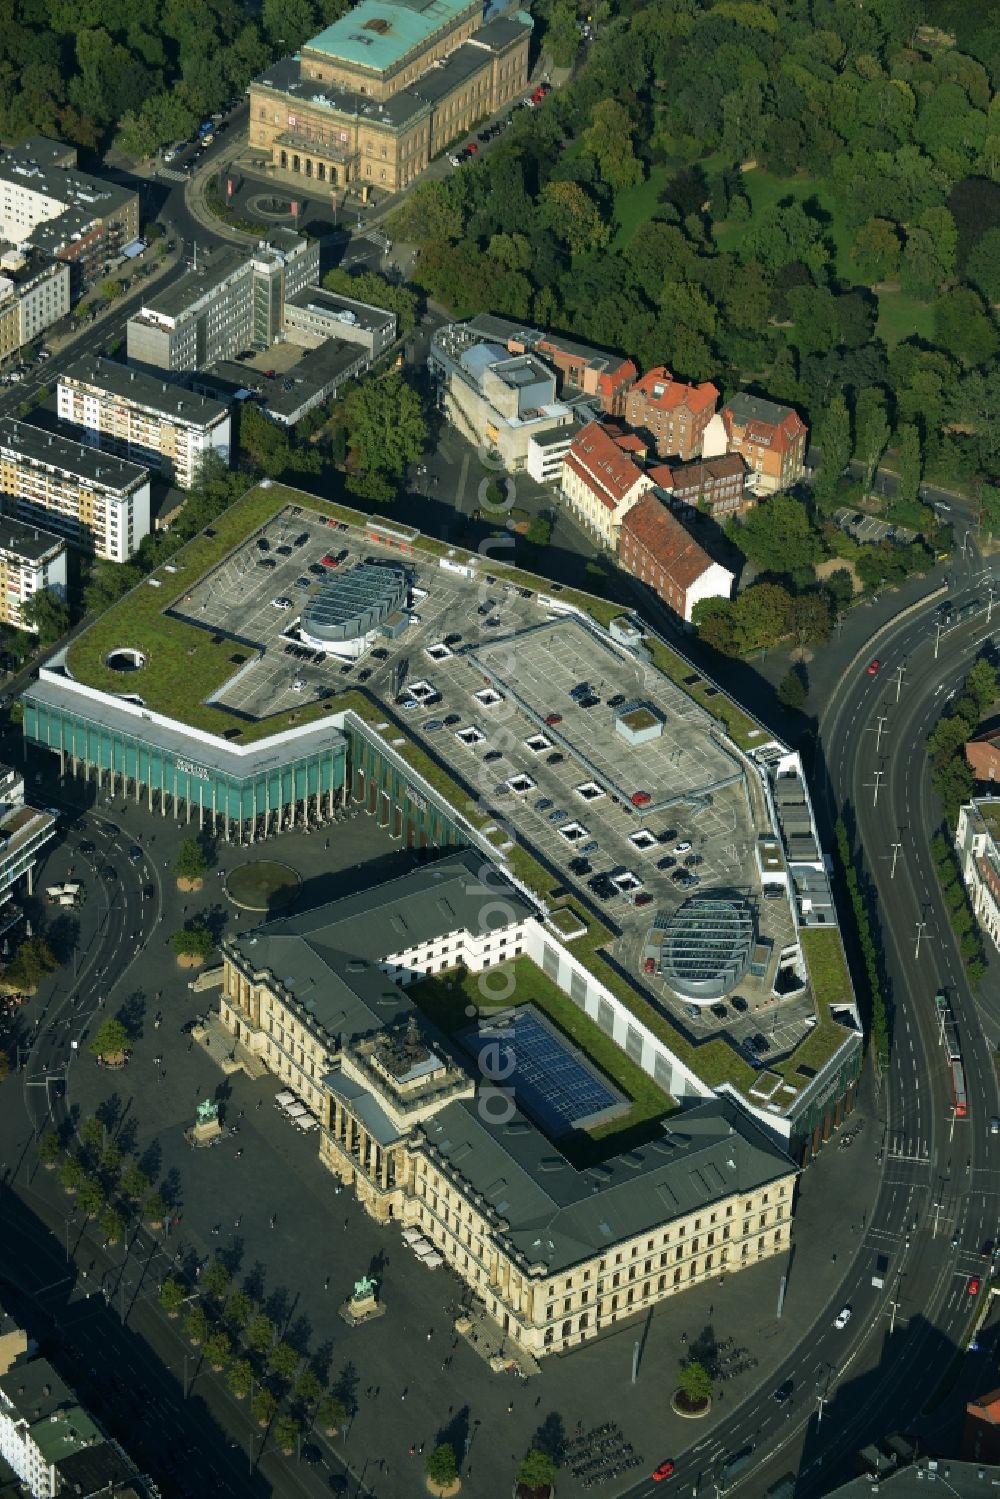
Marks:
<point>391,1110</point>
<point>334,122</point>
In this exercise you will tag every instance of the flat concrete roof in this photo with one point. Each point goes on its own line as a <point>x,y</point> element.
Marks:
<point>163,396</point>
<point>365,316</point>
<point>22,540</point>
<point>103,470</point>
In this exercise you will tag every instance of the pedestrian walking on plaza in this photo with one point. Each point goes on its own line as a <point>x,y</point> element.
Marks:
<point>259,1102</point>
<point>346,1222</point>
<point>239,1220</point>
<point>326,1284</point>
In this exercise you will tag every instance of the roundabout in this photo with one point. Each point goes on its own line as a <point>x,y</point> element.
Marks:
<point>262,886</point>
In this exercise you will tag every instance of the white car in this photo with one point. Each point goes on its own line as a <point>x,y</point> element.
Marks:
<point>842,1318</point>
<point>281,603</point>
<point>681,848</point>
<point>454,159</point>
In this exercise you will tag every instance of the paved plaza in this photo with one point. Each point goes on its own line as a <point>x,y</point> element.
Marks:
<point>413,1384</point>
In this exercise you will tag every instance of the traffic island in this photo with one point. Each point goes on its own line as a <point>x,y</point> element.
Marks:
<point>690,1410</point>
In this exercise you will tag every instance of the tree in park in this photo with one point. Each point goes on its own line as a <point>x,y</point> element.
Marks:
<point>47,613</point>
<point>286,1432</point>
<point>240,1377</point>
<point>217,1349</point>
<point>49,1149</point>
<point>778,536</point>
<point>283,1361</point>
<point>111,1161</point>
<point>171,1296</point>
<point>72,1174</point>
<point>92,1198</point>
<point>834,438</point>
<point>792,690</point>
<point>196,1323</point>
<point>331,1414</point>
<point>441,1466</point>
<point>569,213</point>
<point>308,1389</point>
<point>982,267</point>
<point>32,962</point>
<point>876,250</point>
<point>154,1209</point>
<point>215,1280</point>
<point>239,1310</point>
<point>92,1133</point>
<point>264,1406</point>
<point>809,618</point>
<point>695,1382</point>
<point>562,36</point>
<point>260,1333</point>
<point>536,1470</point>
<point>191,862</point>
<point>386,432</point>
<point>194,940</point>
<point>134,1183</point>
<point>111,1040</point>
<point>908,462</point>
<point>112,1225</point>
<point>871,431</point>
<point>608,138</point>
<point>963,327</point>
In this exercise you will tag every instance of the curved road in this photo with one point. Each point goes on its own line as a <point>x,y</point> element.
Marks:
<point>938,1200</point>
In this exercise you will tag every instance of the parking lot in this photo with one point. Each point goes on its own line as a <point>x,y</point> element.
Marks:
<point>482,665</point>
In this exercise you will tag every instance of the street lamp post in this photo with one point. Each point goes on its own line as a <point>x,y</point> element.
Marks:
<point>896,847</point>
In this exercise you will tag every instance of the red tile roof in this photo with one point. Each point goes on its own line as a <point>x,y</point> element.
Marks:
<point>596,458</point>
<point>764,424</point>
<point>704,472</point>
<point>651,525</point>
<point>665,393</point>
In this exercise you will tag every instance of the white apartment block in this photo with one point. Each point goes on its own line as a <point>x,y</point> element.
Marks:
<point>143,418</point>
<point>34,294</point>
<point>976,843</point>
<point>30,560</point>
<point>100,504</point>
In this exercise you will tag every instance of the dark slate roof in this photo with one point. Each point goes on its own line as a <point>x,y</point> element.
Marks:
<point>559,1215</point>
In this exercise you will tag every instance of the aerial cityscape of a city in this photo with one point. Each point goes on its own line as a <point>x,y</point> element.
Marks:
<point>499,749</point>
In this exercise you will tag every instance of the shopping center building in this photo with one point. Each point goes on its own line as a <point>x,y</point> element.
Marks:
<point>204,695</point>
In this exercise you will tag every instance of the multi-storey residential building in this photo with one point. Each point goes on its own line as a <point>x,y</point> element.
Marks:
<point>375,97</point>
<point>771,439</point>
<point>600,481</point>
<point>605,378</point>
<point>47,202</point>
<point>977,843</point>
<point>53,1444</point>
<point>430,1142</point>
<point>30,560</point>
<point>24,832</point>
<point>655,548</point>
<point>34,293</point>
<point>716,486</point>
<point>230,302</point>
<point>151,421</point>
<point>494,397</point>
<point>99,503</point>
<point>674,414</point>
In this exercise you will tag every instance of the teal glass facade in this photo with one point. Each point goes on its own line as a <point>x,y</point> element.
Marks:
<point>127,761</point>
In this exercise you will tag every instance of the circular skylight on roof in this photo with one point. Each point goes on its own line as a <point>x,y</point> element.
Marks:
<point>707,945</point>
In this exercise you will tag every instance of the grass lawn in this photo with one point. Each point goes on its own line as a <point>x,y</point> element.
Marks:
<point>764,190</point>
<point>638,204</point>
<point>445,1000</point>
<point>901,316</point>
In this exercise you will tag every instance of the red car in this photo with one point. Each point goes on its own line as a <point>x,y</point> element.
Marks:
<point>553,718</point>
<point>973,1286</point>
<point>329,560</point>
<point>873,667</point>
<point>649,966</point>
<point>663,1471</point>
<point>472,148</point>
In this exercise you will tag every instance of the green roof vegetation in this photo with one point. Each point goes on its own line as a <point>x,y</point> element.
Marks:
<point>444,999</point>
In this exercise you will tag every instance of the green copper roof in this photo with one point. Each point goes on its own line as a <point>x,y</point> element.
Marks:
<point>378,34</point>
